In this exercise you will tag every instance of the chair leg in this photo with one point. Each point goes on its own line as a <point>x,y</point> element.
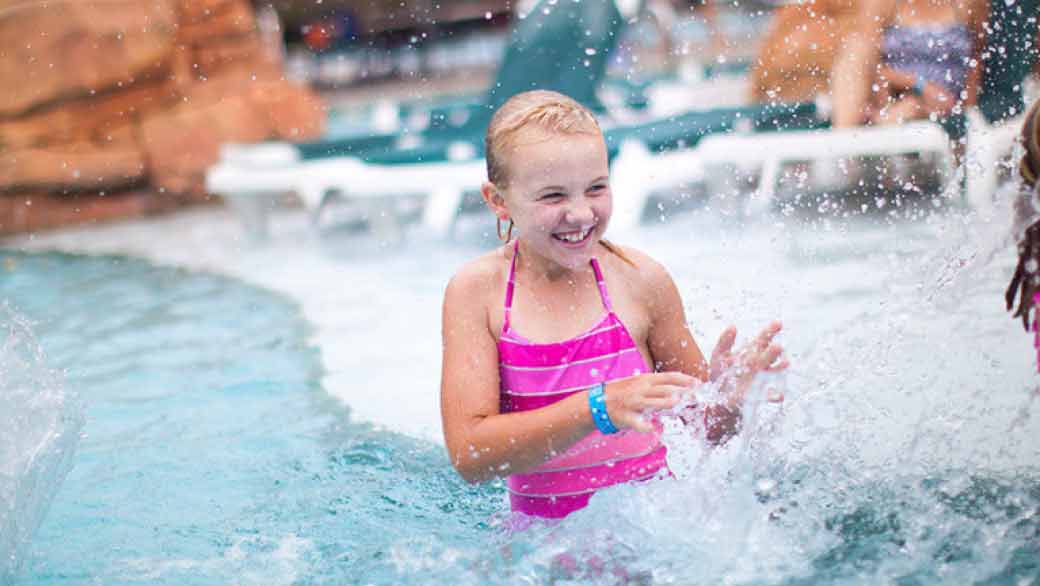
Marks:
<point>252,210</point>
<point>383,220</point>
<point>442,209</point>
<point>314,198</point>
<point>762,198</point>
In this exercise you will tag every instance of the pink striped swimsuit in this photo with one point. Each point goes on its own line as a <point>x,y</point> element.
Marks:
<point>535,375</point>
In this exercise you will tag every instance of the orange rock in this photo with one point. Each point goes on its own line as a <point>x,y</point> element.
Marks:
<point>180,144</point>
<point>31,212</point>
<point>57,50</point>
<point>292,112</point>
<point>232,19</point>
<point>192,11</point>
<point>87,119</point>
<point>75,166</point>
<point>234,52</point>
<point>115,93</point>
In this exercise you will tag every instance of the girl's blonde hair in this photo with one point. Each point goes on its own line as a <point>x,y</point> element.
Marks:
<point>549,111</point>
<point>1029,167</point>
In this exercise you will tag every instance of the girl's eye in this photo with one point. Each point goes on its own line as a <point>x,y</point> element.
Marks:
<point>555,196</point>
<point>597,189</point>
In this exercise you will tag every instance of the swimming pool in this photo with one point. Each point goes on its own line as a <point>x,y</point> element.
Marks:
<point>218,449</point>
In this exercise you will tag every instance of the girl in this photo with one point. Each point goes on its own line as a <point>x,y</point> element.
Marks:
<point>559,347</point>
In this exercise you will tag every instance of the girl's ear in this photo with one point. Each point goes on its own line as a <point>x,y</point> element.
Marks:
<point>494,200</point>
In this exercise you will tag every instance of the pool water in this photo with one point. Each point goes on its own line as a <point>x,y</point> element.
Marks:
<point>210,452</point>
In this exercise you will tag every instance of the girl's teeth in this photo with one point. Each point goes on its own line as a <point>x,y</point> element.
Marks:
<point>577,237</point>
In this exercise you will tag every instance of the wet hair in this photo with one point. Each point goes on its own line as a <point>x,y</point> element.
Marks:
<point>1029,167</point>
<point>548,111</point>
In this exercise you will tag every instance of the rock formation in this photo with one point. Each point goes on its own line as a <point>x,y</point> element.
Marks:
<point>114,108</point>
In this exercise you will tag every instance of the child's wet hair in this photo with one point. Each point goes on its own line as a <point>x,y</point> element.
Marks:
<point>1029,167</point>
<point>546,110</point>
<point>549,111</point>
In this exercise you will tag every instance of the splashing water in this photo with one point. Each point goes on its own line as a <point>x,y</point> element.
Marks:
<point>904,452</point>
<point>40,422</point>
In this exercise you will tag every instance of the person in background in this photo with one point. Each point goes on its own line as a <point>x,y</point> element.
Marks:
<point>560,348</point>
<point>1025,282</point>
<point>908,59</point>
<point>795,58</point>
<point>665,15</point>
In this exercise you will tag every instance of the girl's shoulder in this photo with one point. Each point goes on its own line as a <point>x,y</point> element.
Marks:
<point>481,277</point>
<point>635,267</point>
<point>634,264</point>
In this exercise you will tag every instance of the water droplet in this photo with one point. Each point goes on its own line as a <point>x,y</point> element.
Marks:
<point>590,51</point>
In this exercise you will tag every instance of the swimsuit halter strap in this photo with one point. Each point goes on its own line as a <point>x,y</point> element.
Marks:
<point>602,286</point>
<point>511,286</point>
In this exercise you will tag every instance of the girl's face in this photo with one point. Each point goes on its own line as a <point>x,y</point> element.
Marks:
<point>558,195</point>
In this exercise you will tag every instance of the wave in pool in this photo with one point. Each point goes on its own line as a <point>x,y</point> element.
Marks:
<point>40,424</point>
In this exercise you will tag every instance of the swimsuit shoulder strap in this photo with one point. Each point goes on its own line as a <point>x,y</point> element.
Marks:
<point>510,286</point>
<point>602,285</point>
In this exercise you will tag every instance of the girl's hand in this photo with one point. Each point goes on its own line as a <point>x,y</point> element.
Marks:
<point>737,370</point>
<point>630,399</point>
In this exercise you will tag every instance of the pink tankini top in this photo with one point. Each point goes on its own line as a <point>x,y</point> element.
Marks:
<point>535,375</point>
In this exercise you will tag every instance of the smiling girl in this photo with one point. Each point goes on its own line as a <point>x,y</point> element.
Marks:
<point>560,347</point>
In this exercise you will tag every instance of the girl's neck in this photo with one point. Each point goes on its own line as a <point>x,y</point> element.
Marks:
<point>542,269</point>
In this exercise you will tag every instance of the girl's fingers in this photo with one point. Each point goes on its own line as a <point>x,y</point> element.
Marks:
<point>640,424</point>
<point>769,356</point>
<point>726,340</point>
<point>783,364</point>
<point>677,379</point>
<point>662,404</point>
<point>768,334</point>
<point>663,391</point>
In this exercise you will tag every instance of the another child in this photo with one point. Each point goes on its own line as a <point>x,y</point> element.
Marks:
<point>1025,283</point>
<point>560,347</point>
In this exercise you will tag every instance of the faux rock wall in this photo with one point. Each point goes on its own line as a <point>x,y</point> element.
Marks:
<point>115,108</point>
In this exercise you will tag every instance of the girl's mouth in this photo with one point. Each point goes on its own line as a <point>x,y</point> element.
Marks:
<point>576,238</point>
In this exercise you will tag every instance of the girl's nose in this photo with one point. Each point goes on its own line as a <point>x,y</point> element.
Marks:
<point>580,212</point>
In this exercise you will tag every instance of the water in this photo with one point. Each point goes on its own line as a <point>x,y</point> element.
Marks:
<point>214,451</point>
<point>40,429</point>
<point>209,455</point>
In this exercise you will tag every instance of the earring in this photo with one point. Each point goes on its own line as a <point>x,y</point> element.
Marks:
<point>509,230</point>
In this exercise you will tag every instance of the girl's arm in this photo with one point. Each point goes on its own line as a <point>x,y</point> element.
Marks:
<point>672,347</point>
<point>484,443</point>
<point>670,342</point>
<point>855,67</point>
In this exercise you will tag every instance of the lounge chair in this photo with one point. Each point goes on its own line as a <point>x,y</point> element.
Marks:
<point>989,130</point>
<point>443,160</point>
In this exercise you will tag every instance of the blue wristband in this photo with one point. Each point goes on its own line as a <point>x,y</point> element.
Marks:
<point>599,410</point>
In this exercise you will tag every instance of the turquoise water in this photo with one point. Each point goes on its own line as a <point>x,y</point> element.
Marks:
<point>209,454</point>
<point>905,453</point>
